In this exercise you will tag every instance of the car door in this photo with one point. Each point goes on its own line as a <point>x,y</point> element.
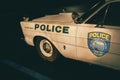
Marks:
<point>98,40</point>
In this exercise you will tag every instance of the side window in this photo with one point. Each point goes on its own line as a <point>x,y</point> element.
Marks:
<point>109,15</point>
<point>98,17</point>
<point>113,15</point>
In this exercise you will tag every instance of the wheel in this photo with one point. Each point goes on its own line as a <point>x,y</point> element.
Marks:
<point>46,50</point>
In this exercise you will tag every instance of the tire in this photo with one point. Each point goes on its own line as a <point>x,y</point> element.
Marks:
<point>46,50</point>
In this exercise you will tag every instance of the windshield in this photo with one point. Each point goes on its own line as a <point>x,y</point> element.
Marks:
<point>90,11</point>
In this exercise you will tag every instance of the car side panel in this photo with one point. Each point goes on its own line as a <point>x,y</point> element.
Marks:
<point>110,59</point>
<point>63,41</point>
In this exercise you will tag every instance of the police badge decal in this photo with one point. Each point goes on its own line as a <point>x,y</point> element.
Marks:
<point>99,43</point>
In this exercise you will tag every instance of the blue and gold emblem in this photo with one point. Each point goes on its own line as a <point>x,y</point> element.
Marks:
<point>99,43</point>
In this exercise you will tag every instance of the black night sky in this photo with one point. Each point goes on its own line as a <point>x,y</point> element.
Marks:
<point>22,6</point>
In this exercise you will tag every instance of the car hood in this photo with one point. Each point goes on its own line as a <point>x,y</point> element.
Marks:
<point>61,17</point>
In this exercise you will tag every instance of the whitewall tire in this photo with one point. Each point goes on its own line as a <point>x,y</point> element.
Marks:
<point>46,50</point>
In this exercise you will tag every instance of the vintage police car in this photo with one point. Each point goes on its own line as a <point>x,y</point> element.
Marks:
<point>93,37</point>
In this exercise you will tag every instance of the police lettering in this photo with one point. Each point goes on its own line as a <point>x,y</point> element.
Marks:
<point>99,35</point>
<point>53,28</point>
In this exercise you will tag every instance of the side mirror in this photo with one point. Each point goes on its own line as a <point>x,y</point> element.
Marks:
<point>75,16</point>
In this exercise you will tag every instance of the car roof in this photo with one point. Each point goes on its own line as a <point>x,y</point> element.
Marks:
<point>111,0</point>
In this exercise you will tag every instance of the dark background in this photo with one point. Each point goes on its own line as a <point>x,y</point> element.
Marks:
<point>13,48</point>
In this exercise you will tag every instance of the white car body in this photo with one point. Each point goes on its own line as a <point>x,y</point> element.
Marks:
<point>84,42</point>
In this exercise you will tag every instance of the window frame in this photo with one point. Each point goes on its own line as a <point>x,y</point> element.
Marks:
<point>100,8</point>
